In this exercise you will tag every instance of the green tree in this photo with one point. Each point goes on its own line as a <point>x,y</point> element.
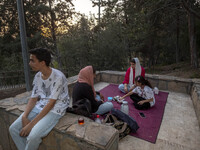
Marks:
<point>76,46</point>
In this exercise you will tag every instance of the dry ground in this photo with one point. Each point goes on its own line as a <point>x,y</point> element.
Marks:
<point>182,69</point>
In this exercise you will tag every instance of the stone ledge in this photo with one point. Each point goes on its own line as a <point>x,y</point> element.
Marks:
<point>67,134</point>
<point>195,95</point>
<point>90,136</point>
<point>163,82</point>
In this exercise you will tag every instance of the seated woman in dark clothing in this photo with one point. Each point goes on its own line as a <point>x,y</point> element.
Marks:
<point>84,88</point>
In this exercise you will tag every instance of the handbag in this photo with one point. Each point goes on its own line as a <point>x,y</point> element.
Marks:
<point>125,118</point>
<point>121,126</point>
<point>81,107</point>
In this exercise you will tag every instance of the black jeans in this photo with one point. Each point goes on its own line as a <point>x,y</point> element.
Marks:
<point>136,99</point>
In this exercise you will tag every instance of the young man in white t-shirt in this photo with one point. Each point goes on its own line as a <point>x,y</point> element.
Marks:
<point>48,103</point>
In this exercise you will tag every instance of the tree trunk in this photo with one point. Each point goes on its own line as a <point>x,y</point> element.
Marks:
<point>192,39</point>
<point>127,41</point>
<point>54,35</point>
<point>151,54</point>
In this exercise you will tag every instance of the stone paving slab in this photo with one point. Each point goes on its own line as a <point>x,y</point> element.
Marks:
<point>179,129</point>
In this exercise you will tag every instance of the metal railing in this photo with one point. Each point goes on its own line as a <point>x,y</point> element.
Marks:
<point>16,79</point>
<point>12,79</point>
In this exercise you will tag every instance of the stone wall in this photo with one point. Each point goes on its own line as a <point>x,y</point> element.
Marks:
<point>69,135</point>
<point>195,95</point>
<point>168,83</point>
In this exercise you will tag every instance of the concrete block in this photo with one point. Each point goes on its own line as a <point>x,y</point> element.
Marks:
<point>101,136</point>
<point>197,110</point>
<point>113,78</point>
<point>120,79</point>
<point>105,77</point>
<point>88,146</point>
<point>153,82</point>
<point>195,94</point>
<point>162,84</point>
<point>77,130</point>
<point>4,136</point>
<point>50,140</point>
<point>98,78</point>
<point>42,146</point>
<point>69,144</point>
<point>69,119</point>
<point>105,137</point>
<point>178,87</point>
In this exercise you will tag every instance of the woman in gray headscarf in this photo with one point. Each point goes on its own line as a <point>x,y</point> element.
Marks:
<point>133,71</point>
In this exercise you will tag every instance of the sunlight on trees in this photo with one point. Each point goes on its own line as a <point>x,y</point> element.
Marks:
<point>155,31</point>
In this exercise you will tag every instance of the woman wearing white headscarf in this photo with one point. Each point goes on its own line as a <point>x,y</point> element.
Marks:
<point>133,71</point>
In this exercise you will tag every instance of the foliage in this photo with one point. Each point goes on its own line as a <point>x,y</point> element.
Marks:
<point>155,31</point>
<point>37,17</point>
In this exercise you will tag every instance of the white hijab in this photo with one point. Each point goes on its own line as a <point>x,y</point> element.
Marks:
<point>137,71</point>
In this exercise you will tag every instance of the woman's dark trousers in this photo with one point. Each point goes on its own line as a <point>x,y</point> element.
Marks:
<point>136,99</point>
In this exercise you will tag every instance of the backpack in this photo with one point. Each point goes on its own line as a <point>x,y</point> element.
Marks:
<point>125,118</point>
<point>81,107</point>
<point>121,126</point>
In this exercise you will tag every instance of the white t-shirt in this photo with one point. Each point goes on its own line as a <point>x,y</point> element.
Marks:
<point>55,87</point>
<point>146,93</point>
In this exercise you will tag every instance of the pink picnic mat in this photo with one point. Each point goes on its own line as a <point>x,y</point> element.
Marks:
<point>150,125</point>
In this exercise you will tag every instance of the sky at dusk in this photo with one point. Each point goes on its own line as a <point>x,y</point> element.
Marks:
<point>85,7</point>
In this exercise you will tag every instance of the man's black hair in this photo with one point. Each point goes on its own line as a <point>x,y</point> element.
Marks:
<point>42,54</point>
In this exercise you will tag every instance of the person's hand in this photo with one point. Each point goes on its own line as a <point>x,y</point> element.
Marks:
<point>134,86</point>
<point>26,130</point>
<point>126,89</point>
<point>121,98</point>
<point>25,121</point>
<point>141,102</point>
<point>101,96</point>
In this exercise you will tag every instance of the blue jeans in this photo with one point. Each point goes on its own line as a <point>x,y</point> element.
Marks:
<point>40,130</point>
<point>103,108</point>
<point>121,88</point>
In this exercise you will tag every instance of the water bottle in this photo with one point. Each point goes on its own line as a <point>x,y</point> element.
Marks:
<point>156,90</point>
<point>124,107</point>
<point>97,120</point>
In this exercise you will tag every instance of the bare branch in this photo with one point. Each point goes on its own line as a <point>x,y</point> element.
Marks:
<point>190,10</point>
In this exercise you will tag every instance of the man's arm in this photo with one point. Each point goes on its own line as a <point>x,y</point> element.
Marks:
<point>26,130</point>
<point>29,107</point>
